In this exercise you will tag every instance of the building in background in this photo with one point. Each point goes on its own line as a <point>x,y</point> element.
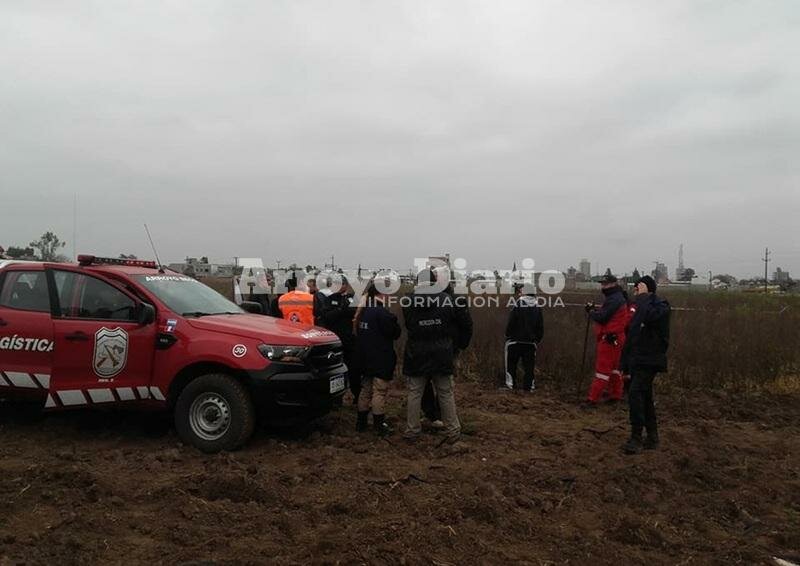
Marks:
<point>571,278</point>
<point>781,276</point>
<point>660,273</point>
<point>584,270</point>
<point>438,261</point>
<point>200,268</point>
<point>680,271</point>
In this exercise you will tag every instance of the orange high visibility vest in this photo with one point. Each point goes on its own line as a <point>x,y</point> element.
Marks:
<point>297,306</point>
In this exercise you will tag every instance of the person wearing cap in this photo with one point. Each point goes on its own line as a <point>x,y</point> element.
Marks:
<point>610,320</point>
<point>644,356</point>
<point>524,331</point>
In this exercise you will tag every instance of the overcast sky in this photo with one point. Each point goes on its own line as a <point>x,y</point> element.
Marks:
<point>381,131</point>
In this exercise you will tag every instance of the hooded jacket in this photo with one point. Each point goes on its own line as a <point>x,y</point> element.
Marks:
<point>647,339</point>
<point>525,322</point>
<point>436,330</point>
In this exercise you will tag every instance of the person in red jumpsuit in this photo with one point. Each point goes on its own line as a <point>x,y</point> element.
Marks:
<point>610,323</point>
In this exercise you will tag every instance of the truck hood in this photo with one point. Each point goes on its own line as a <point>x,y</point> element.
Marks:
<point>265,328</point>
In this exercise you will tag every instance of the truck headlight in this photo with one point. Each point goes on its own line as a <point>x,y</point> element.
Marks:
<point>289,354</point>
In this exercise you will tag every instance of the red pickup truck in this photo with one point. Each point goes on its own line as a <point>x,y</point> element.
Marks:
<point>111,332</point>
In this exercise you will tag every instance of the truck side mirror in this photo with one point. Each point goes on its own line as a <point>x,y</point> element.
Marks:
<point>146,314</point>
<point>252,307</point>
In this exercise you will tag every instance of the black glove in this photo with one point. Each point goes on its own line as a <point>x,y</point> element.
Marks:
<point>590,307</point>
<point>610,339</point>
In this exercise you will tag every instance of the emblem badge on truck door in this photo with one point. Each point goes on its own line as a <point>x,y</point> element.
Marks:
<point>110,352</point>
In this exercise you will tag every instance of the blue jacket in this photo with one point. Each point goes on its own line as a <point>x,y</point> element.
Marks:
<point>377,330</point>
<point>613,302</point>
<point>648,335</point>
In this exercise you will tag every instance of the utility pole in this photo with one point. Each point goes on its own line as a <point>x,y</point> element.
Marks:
<point>709,279</point>
<point>75,227</point>
<point>765,259</point>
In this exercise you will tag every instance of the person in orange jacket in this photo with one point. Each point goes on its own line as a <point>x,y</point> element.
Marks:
<point>611,320</point>
<point>296,306</point>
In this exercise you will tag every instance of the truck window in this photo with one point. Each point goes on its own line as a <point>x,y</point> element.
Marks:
<point>25,290</point>
<point>83,296</point>
<point>185,296</point>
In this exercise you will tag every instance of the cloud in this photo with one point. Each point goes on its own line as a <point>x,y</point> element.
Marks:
<point>383,131</point>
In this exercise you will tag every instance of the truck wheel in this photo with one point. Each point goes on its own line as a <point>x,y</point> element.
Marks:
<point>214,412</point>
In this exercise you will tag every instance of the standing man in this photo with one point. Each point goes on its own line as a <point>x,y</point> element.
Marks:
<point>296,306</point>
<point>524,331</point>
<point>259,290</point>
<point>319,296</point>
<point>644,356</point>
<point>337,316</point>
<point>610,320</point>
<point>377,331</point>
<point>433,322</point>
<point>430,404</point>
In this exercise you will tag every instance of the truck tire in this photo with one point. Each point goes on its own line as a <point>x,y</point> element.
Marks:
<point>214,412</point>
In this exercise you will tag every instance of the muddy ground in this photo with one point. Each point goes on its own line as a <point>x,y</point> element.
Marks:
<point>535,480</point>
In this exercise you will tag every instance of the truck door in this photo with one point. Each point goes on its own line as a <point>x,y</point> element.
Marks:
<point>102,354</point>
<point>26,333</point>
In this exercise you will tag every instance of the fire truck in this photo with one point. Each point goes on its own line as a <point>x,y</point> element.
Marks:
<point>108,332</point>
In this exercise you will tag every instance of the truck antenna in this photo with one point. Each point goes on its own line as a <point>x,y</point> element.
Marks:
<point>152,245</point>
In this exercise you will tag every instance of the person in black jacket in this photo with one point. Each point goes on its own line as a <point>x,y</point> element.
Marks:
<point>430,404</point>
<point>524,331</point>
<point>337,316</point>
<point>377,331</point>
<point>319,297</point>
<point>644,355</point>
<point>256,286</point>
<point>433,322</point>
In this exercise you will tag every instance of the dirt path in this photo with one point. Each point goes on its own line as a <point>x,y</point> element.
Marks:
<point>535,481</point>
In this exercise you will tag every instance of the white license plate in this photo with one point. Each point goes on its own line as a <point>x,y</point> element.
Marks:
<point>337,384</point>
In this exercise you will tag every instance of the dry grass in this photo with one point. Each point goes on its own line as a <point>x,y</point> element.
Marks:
<point>729,340</point>
<point>725,340</point>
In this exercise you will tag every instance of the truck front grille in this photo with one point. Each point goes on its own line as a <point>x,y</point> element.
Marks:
<point>326,356</point>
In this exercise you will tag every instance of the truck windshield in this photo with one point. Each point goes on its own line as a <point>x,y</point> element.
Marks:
<point>187,296</point>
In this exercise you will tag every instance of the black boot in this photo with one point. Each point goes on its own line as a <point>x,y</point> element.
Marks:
<point>634,444</point>
<point>361,422</point>
<point>381,426</point>
<point>651,442</point>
